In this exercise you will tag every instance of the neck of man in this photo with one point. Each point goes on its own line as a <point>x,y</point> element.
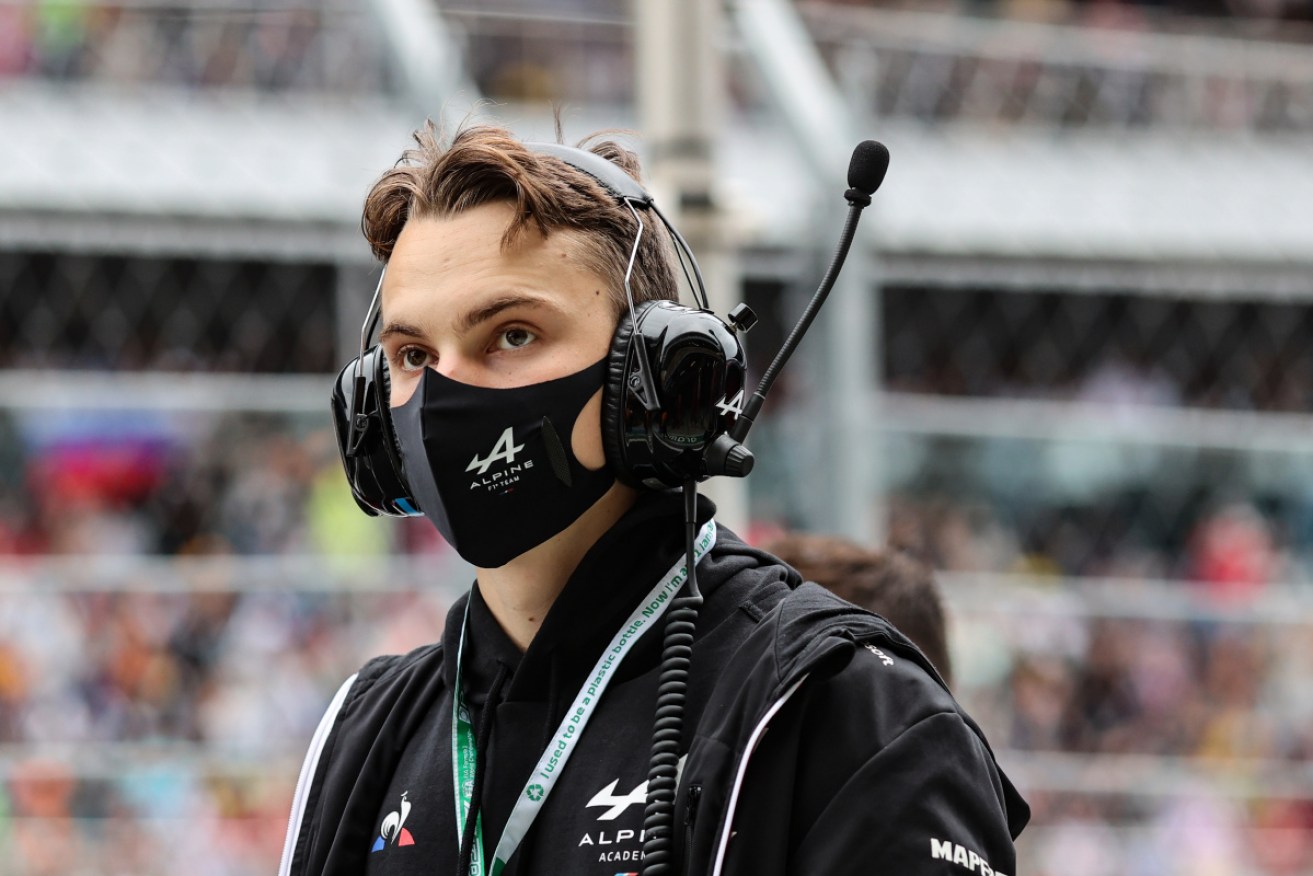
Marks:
<point>520,593</point>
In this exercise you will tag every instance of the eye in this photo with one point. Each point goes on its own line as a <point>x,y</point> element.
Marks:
<point>412,358</point>
<point>514,338</point>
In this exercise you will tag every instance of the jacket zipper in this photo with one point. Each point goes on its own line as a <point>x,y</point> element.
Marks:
<point>690,819</point>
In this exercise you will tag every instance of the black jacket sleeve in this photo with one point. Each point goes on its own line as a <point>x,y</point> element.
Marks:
<point>928,802</point>
<point>875,769</point>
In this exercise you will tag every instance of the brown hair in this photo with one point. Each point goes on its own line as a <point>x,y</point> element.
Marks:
<point>891,583</point>
<point>485,164</point>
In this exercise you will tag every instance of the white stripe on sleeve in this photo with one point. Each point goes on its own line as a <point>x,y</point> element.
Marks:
<point>307,777</point>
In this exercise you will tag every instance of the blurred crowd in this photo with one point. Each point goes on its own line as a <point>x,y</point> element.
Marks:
<point>162,733</point>
<point>215,679</point>
<point>1225,550</point>
<point>562,49</point>
<point>288,47</point>
<point>1207,724</point>
<point>1109,13</point>
<point>131,712</point>
<point>140,483</point>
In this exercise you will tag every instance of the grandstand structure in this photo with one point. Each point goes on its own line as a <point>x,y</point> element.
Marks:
<point>1084,320</point>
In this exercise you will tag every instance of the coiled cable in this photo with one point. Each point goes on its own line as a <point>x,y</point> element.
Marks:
<point>672,688</point>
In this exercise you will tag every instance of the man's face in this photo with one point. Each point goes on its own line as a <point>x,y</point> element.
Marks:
<point>454,300</point>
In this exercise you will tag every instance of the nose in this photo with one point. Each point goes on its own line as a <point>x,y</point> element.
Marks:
<point>455,366</point>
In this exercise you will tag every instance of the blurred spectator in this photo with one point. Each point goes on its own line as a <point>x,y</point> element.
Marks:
<point>892,584</point>
<point>1120,384</point>
<point>60,31</point>
<point>14,43</point>
<point>1231,552</point>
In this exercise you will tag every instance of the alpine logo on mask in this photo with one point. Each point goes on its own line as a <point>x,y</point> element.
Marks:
<point>494,469</point>
<point>505,451</point>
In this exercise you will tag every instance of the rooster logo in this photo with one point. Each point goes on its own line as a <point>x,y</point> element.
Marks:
<point>393,830</point>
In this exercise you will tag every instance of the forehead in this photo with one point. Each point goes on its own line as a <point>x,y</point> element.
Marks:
<point>451,264</point>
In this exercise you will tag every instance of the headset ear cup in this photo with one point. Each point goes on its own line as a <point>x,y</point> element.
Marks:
<point>373,466</point>
<point>614,394</point>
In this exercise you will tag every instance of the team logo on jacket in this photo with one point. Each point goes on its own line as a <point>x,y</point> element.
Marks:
<point>611,843</point>
<point>946,850</point>
<point>392,832</point>
<point>884,658</point>
<point>617,804</point>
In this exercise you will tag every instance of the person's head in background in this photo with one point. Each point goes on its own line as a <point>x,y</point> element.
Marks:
<point>891,583</point>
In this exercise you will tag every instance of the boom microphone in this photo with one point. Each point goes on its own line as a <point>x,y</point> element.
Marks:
<point>866,171</point>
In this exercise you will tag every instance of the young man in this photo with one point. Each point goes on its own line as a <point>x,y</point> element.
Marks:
<point>500,749</point>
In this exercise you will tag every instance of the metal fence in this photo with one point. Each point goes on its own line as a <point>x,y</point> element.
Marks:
<point>281,46</point>
<point>78,311</point>
<point>1134,74</point>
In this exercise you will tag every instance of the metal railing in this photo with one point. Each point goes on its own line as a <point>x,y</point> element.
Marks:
<point>962,69</point>
<point>289,46</point>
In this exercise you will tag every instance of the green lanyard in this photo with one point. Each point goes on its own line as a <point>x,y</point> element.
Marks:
<point>552,763</point>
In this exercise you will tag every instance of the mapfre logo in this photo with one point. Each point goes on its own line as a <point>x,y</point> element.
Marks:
<point>505,450</point>
<point>884,658</point>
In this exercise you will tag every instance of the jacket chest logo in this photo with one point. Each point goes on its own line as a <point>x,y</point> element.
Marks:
<point>617,805</point>
<point>392,832</point>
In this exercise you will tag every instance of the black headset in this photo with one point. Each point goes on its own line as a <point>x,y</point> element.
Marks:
<point>674,385</point>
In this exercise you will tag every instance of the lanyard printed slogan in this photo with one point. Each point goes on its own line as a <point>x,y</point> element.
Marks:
<point>552,762</point>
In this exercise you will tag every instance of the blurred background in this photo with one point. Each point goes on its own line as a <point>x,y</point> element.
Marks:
<point>1070,364</point>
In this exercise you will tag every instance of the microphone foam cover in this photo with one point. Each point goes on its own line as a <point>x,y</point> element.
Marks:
<point>868,165</point>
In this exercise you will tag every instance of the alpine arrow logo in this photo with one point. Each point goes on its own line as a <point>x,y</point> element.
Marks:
<point>729,405</point>
<point>607,797</point>
<point>505,450</point>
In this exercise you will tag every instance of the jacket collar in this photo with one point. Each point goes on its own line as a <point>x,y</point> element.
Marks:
<point>604,588</point>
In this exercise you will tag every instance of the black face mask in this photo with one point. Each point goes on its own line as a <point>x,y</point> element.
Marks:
<point>493,468</point>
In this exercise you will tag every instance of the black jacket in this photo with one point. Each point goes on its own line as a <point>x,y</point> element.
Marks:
<point>869,765</point>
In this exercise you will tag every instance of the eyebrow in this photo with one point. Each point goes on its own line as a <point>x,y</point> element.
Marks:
<point>496,306</point>
<point>473,317</point>
<point>400,328</point>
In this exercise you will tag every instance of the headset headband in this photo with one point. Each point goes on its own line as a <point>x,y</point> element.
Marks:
<point>621,185</point>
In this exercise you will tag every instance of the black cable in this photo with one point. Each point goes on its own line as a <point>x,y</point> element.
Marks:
<point>682,244</point>
<point>672,688</point>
